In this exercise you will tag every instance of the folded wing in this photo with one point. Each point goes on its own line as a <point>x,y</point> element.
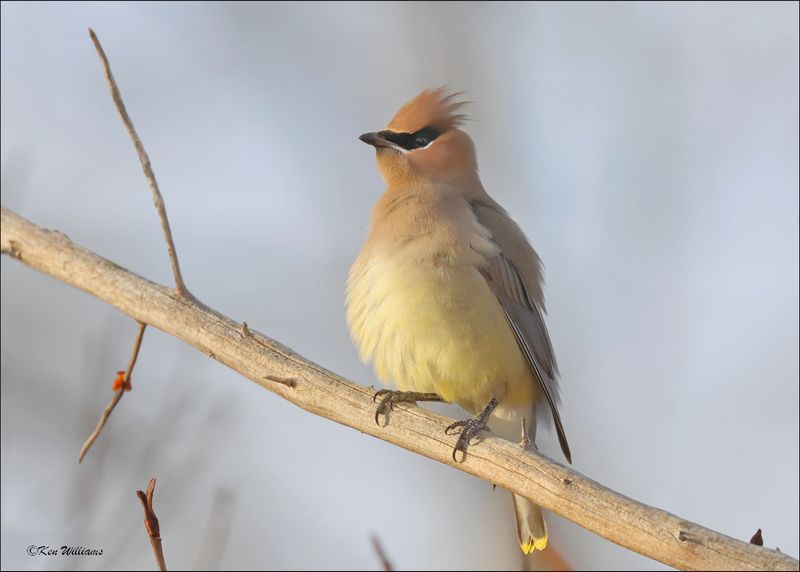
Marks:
<point>514,276</point>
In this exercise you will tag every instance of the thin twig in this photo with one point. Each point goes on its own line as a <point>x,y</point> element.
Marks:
<point>158,200</point>
<point>376,544</point>
<point>151,523</point>
<point>117,396</point>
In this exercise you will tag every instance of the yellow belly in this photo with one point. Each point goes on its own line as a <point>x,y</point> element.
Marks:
<point>437,330</point>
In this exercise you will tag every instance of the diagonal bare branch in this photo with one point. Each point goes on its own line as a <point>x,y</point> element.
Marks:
<point>647,530</point>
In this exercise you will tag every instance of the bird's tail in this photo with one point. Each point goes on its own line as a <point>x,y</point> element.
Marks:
<point>531,528</point>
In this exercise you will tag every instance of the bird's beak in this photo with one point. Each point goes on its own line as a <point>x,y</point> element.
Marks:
<point>376,140</point>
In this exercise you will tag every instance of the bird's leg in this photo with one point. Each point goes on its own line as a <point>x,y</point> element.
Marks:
<point>389,398</point>
<point>470,428</point>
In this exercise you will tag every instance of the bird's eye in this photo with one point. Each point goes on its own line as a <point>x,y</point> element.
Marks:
<point>421,141</point>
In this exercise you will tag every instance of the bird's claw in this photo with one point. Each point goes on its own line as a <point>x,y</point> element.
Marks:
<point>387,403</point>
<point>470,428</point>
<point>389,398</point>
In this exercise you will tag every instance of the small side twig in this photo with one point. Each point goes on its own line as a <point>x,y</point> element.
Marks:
<point>151,523</point>
<point>525,440</point>
<point>144,159</point>
<point>376,544</point>
<point>12,250</point>
<point>757,539</point>
<point>117,396</point>
<point>287,381</point>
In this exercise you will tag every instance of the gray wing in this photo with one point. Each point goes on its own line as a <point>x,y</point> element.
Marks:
<point>514,276</point>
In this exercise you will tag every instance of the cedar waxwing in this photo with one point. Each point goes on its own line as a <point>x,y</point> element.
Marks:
<point>445,298</point>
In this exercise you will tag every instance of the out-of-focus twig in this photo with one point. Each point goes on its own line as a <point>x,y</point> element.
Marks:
<point>376,544</point>
<point>126,380</point>
<point>218,531</point>
<point>551,559</point>
<point>151,523</point>
<point>144,159</point>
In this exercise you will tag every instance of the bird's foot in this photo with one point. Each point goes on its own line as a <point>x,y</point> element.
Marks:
<point>469,429</point>
<point>389,398</point>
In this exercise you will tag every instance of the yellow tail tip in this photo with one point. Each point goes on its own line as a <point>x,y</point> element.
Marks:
<point>534,544</point>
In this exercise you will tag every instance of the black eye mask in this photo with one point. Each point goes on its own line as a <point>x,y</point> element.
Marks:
<point>411,141</point>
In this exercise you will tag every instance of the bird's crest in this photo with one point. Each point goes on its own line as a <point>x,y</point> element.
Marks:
<point>432,108</point>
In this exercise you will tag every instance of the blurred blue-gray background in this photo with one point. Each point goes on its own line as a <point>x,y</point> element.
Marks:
<point>650,152</point>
